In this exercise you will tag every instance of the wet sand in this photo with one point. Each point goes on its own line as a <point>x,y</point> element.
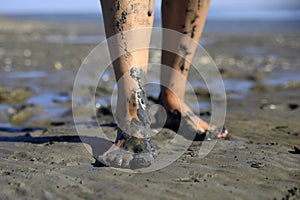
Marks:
<point>42,157</point>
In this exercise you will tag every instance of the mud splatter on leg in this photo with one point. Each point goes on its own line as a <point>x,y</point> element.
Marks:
<point>199,4</point>
<point>187,17</point>
<point>185,52</point>
<point>150,8</point>
<point>121,16</point>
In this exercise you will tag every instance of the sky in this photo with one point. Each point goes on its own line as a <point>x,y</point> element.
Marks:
<point>219,8</point>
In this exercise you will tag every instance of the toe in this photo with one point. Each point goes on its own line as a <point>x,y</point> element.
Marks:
<point>223,134</point>
<point>116,158</point>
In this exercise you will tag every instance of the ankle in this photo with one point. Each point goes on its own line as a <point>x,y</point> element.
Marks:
<point>170,101</point>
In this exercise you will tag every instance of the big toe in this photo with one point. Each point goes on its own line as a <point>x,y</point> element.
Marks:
<point>117,158</point>
<point>124,159</point>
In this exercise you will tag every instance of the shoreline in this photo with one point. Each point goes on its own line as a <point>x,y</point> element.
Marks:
<point>213,26</point>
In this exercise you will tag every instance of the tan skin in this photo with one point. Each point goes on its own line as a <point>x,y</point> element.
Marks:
<point>185,16</point>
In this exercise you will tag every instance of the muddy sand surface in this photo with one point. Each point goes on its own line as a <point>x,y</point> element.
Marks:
<point>43,157</point>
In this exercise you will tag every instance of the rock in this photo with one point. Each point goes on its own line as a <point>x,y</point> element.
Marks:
<point>14,96</point>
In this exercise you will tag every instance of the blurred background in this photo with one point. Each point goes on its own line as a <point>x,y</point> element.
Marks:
<point>255,11</point>
<point>42,44</point>
<point>232,9</point>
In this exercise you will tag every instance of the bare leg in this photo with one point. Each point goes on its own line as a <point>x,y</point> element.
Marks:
<point>121,16</point>
<point>187,17</point>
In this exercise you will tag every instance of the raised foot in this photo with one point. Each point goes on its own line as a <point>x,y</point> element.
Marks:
<point>127,160</point>
<point>129,152</point>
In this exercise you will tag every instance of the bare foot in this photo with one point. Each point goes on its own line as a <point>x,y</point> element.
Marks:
<point>130,150</point>
<point>178,110</point>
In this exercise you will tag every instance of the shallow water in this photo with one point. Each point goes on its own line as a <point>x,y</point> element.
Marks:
<point>53,104</point>
<point>282,77</point>
<point>52,92</point>
<point>76,39</point>
<point>29,74</point>
<point>237,88</point>
<point>56,104</point>
<point>47,107</point>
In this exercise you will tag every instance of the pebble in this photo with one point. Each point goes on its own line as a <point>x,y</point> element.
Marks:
<point>14,96</point>
<point>7,68</point>
<point>205,60</point>
<point>27,53</point>
<point>27,62</point>
<point>25,114</point>
<point>257,165</point>
<point>8,61</point>
<point>2,52</point>
<point>58,65</point>
<point>33,159</point>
